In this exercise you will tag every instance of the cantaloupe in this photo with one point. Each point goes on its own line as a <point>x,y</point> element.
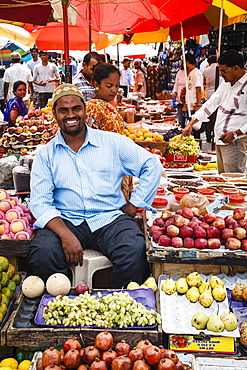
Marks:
<point>33,286</point>
<point>58,284</point>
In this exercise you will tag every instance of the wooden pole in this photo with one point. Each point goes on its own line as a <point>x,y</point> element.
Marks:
<point>68,67</point>
<point>90,25</point>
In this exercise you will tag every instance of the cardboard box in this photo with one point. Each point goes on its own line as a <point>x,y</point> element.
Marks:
<point>192,343</point>
<point>180,158</point>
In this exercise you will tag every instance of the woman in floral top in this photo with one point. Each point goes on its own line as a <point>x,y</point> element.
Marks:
<point>101,113</point>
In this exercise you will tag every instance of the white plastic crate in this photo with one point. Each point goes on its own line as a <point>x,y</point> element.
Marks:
<point>216,363</point>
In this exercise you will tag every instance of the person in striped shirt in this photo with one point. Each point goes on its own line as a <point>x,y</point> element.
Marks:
<point>77,200</point>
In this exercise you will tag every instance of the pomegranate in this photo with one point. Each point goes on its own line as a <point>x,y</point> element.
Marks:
<point>143,343</point>
<point>121,363</point>
<point>71,343</point>
<point>98,365</point>
<point>72,359</point>
<point>103,340</point>
<point>166,364</point>
<point>89,355</point>
<point>52,367</point>
<point>140,365</point>
<point>108,357</point>
<point>136,354</point>
<point>62,354</point>
<point>181,366</point>
<point>122,348</point>
<point>39,365</point>
<point>51,356</point>
<point>152,354</point>
<point>169,353</point>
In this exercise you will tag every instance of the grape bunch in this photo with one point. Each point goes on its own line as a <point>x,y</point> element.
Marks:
<point>183,145</point>
<point>118,309</point>
<point>171,133</point>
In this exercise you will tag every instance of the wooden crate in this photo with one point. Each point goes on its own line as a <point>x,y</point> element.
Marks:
<point>38,336</point>
<point>161,145</point>
<point>14,247</point>
<point>203,261</point>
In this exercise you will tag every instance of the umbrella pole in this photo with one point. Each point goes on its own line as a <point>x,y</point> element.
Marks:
<point>68,67</point>
<point>220,27</point>
<point>90,25</point>
<point>118,55</point>
<point>185,69</point>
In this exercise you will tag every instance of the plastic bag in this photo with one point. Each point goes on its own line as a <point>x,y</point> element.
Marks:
<point>195,200</point>
<point>6,166</point>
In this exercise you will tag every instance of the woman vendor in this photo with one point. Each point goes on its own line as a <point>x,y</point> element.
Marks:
<point>15,106</point>
<point>101,113</point>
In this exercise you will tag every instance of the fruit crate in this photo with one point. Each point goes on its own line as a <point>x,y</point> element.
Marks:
<point>214,363</point>
<point>161,145</point>
<point>20,330</point>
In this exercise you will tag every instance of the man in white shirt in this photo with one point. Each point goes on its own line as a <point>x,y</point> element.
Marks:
<point>126,78</point>
<point>45,75</point>
<point>231,121</point>
<point>31,64</point>
<point>14,73</point>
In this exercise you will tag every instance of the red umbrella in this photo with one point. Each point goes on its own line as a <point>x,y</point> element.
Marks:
<point>129,16</point>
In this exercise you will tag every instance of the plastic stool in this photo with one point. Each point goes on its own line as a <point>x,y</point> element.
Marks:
<point>92,262</point>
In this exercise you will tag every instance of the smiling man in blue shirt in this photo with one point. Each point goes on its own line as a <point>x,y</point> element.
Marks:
<point>76,195</point>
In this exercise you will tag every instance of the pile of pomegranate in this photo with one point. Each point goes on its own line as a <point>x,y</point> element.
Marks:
<point>187,228</point>
<point>16,221</point>
<point>33,129</point>
<point>101,356</point>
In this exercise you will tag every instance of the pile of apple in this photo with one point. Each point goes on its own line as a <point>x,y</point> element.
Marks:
<point>36,127</point>
<point>16,221</point>
<point>187,228</point>
<point>101,355</point>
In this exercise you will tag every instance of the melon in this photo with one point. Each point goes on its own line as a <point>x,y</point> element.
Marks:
<point>58,284</point>
<point>33,286</point>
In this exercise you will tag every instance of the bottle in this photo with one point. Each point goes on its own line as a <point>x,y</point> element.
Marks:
<point>119,96</point>
<point>235,201</point>
<point>130,114</point>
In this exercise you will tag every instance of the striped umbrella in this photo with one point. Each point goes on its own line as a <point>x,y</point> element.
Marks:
<point>7,50</point>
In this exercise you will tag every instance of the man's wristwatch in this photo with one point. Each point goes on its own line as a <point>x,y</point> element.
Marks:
<point>235,135</point>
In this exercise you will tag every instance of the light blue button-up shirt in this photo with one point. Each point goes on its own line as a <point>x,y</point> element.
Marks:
<point>86,185</point>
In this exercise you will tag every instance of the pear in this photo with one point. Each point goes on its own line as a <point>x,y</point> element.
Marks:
<point>219,293</point>
<point>194,279</point>
<point>230,321</point>
<point>206,298</point>
<point>182,286</point>
<point>169,286</point>
<point>143,287</point>
<point>151,283</point>
<point>204,285</point>
<point>133,285</point>
<point>193,294</point>
<point>214,280</point>
<point>199,320</point>
<point>215,324</point>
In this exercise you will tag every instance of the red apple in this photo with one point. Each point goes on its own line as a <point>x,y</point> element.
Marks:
<point>33,129</point>
<point>244,244</point>
<point>238,213</point>
<point>169,222</point>
<point>192,224</point>
<point>179,212</point>
<point>25,129</point>
<point>228,220</point>
<point>5,205</point>
<point>219,222</point>
<point>233,243</point>
<point>166,214</point>
<point>204,225</point>
<point>201,243</point>
<point>233,224</point>
<point>31,112</point>
<point>196,219</point>
<point>187,213</point>
<point>165,241</point>
<point>18,119</point>
<point>159,222</point>
<point>209,217</point>
<point>195,211</point>
<point>18,130</point>
<point>242,222</point>
<point>6,236</point>
<point>38,112</point>
<point>156,235</point>
<point>81,289</point>
<point>154,228</point>
<point>239,233</point>
<point>41,128</point>
<point>199,232</point>
<point>214,243</point>
<point>186,231</point>
<point>189,243</point>
<point>11,130</point>
<point>172,230</point>
<point>177,242</point>
<point>226,233</point>
<point>178,220</point>
<point>213,232</point>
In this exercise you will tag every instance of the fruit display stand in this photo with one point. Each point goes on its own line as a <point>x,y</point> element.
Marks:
<point>20,330</point>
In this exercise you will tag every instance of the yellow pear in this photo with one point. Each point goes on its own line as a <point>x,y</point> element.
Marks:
<point>133,285</point>
<point>151,283</point>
